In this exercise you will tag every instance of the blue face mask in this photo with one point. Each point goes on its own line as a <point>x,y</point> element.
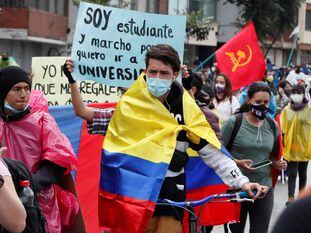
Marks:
<point>13,110</point>
<point>158,86</point>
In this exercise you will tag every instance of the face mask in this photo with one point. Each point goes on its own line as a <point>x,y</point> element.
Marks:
<point>213,69</point>
<point>200,98</point>
<point>13,110</point>
<point>220,88</point>
<point>259,111</point>
<point>296,98</point>
<point>5,58</point>
<point>158,86</point>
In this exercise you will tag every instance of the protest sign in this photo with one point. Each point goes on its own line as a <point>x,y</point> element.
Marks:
<point>110,43</point>
<point>50,79</point>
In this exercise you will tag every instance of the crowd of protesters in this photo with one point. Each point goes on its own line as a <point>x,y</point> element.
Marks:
<point>243,121</point>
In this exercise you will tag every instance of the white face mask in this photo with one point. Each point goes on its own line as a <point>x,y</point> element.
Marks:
<point>158,86</point>
<point>296,98</point>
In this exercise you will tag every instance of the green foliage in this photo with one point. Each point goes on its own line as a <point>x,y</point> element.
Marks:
<point>271,17</point>
<point>198,26</point>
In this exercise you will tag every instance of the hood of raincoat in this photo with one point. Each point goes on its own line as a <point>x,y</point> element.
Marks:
<point>37,137</point>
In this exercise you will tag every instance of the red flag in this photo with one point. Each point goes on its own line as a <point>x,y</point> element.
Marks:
<point>88,173</point>
<point>241,58</point>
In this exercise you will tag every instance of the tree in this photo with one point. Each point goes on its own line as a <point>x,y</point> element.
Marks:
<point>272,18</point>
<point>198,26</point>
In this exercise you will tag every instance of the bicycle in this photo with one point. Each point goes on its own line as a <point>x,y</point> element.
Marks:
<point>189,205</point>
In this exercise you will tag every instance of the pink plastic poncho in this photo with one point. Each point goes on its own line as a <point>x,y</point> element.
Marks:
<point>33,139</point>
<point>37,101</point>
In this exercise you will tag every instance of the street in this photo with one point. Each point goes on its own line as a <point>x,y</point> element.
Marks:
<point>280,197</point>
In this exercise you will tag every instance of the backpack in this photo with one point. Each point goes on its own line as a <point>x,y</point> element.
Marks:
<point>35,221</point>
<point>237,126</point>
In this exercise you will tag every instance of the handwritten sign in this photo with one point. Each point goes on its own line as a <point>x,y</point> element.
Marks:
<point>110,44</point>
<point>50,79</point>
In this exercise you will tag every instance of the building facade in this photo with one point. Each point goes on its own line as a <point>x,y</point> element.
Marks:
<point>33,28</point>
<point>46,27</point>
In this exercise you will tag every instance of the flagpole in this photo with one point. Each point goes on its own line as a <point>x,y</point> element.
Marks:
<point>206,60</point>
<point>292,51</point>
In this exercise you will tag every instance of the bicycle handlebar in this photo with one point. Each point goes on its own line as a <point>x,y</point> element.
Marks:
<point>233,197</point>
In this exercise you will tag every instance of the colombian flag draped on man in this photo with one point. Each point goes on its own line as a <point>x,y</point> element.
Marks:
<point>241,58</point>
<point>137,150</point>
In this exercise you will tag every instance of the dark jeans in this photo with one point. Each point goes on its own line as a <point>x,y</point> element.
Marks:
<point>259,215</point>
<point>292,169</point>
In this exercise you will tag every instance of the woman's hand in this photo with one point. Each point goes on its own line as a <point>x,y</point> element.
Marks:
<point>260,190</point>
<point>245,164</point>
<point>279,164</point>
<point>281,91</point>
<point>2,151</point>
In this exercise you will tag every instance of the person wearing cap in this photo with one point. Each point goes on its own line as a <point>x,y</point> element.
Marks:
<point>296,127</point>
<point>33,137</point>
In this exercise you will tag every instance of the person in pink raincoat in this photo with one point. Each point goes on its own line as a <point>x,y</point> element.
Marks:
<point>33,137</point>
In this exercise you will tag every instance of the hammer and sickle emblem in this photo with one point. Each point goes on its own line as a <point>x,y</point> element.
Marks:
<point>236,60</point>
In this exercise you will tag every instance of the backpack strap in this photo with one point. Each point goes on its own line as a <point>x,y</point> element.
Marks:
<point>276,145</point>
<point>237,126</point>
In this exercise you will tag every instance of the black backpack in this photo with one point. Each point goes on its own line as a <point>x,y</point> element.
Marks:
<point>237,126</point>
<point>35,221</point>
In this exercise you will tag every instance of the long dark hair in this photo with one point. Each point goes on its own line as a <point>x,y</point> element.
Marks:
<point>228,90</point>
<point>282,84</point>
<point>252,89</point>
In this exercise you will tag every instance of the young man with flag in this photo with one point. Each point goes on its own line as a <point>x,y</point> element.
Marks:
<point>144,153</point>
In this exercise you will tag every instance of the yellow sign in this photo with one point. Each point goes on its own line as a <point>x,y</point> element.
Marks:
<point>239,57</point>
<point>50,79</point>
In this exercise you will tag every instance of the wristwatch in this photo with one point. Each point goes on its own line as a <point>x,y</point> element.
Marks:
<point>1,181</point>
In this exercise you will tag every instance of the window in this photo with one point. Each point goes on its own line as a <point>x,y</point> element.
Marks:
<point>152,6</point>
<point>308,20</point>
<point>207,7</point>
<point>13,3</point>
<point>177,6</point>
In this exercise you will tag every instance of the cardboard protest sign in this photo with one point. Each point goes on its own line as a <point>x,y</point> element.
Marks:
<point>110,44</point>
<point>50,79</point>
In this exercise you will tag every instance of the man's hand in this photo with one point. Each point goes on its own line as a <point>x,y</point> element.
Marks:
<point>279,164</point>
<point>260,189</point>
<point>2,151</point>
<point>187,77</point>
<point>245,164</point>
<point>68,68</point>
<point>185,71</point>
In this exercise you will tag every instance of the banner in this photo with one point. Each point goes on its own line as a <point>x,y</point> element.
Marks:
<point>110,44</point>
<point>50,79</point>
<point>241,58</point>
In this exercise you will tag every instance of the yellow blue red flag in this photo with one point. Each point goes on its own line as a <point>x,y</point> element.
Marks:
<point>137,150</point>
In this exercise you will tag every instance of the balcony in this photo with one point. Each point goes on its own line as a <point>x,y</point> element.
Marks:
<point>33,25</point>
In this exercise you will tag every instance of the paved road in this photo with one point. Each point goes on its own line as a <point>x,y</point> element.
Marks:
<point>280,197</point>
